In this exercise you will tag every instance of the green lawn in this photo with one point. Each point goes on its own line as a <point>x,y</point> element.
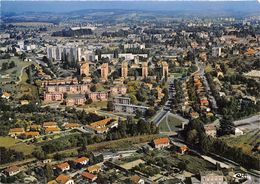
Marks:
<point>15,72</point>
<point>16,145</point>
<point>97,105</point>
<point>246,142</point>
<point>196,164</point>
<point>23,88</point>
<point>174,123</point>
<point>8,141</point>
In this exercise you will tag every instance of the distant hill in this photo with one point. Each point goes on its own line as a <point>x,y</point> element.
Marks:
<point>173,8</point>
<point>72,33</point>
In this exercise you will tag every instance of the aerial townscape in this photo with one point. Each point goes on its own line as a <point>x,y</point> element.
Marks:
<point>130,92</point>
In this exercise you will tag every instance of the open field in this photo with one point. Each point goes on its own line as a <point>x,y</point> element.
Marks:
<point>196,164</point>
<point>246,142</point>
<point>32,24</point>
<point>125,143</point>
<point>173,123</point>
<point>16,145</point>
<point>23,88</point>
<point>12,74</point>
<point>97,105</point>
<point>8,141</point>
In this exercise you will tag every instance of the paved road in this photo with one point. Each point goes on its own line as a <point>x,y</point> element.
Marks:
<point>206,84</point>
<point>254,178</point>
<point>21,74</point>
<point>250,120</point>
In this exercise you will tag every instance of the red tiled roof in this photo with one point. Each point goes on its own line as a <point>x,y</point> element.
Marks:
<point>163,140</point>
<point>12,169</point>
<point>89,176</point>
<point>81,159</point>
<point>62,179</point>
<point>63,165</point>
<point>13,130</point>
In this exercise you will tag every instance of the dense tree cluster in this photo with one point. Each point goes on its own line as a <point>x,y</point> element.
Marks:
<point>195,135</point>
<point>72,33</point>
<point>8,65</point>
<point>146,169</point>
<point>9,155</point>
<point>67,142</point>
<point>132,128</point>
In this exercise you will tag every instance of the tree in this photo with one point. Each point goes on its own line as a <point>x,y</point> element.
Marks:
<point>192,136</point>
<point>4,66</point>
<point>48,171</point>
<point>150,112</point>
<point>182,165</point>
<point>45,59</point>
<point>12,64</point>
<point>227,126</point>
<point>110,105</point>
<point>93,88</point>
<point>133,99</point>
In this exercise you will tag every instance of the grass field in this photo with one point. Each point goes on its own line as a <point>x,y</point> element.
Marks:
<point>196,164</point>
<point>121,144</point>
<point>13,73</point>
<point>96,105</point>
<point>208,68</point>
<point>16,145</point>
<point>246,142</point>
<point>173,123</point>
<point>23,88</point>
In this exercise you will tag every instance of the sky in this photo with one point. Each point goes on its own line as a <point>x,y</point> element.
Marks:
<point>130,0</point>
<point>19,6</point>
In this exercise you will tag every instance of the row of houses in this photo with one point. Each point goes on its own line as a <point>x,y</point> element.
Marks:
<point>77,94</point>
<point>103,126</point>
<point>123,105</point>
<point>35,130</point>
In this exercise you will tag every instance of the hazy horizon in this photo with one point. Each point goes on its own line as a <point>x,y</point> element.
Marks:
<point>234,7</point>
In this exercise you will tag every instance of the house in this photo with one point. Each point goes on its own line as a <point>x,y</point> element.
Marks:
<point>100,126</point>
<point>49,124</point>
<point>63,179</point>
<point>12,170</point>
<point>52,130</point>
<point>160,143</point>
<point>212,177</point>
<point>6,95</point>
<point>194,115</point>
<point>35,127</point>
<point>121,100</point>
<point>16,131</point>
<point>76,99</point>
<point>238,132</point>
<point>71,88</point>
<point>181,148</point>
<point>136,179</point>
<point>118,90</point>
<point>47,161</point>
<point>211,130</point>
<point>31,134</point>
<point>94,169</point>
<point>129,108</point>
<point>98,96</point>
<point>52,97</point>
<point>71,125</point>
<point>52,182</point>
<point>63,166</point>
<point>89,176</point>
<point>82,160</point>
<point>24,102</point>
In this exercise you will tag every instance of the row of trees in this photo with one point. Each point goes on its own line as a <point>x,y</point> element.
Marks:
<point>130,128</point>
<point>195,135</point>
<point>9,155</point>
<point>8,65</point>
